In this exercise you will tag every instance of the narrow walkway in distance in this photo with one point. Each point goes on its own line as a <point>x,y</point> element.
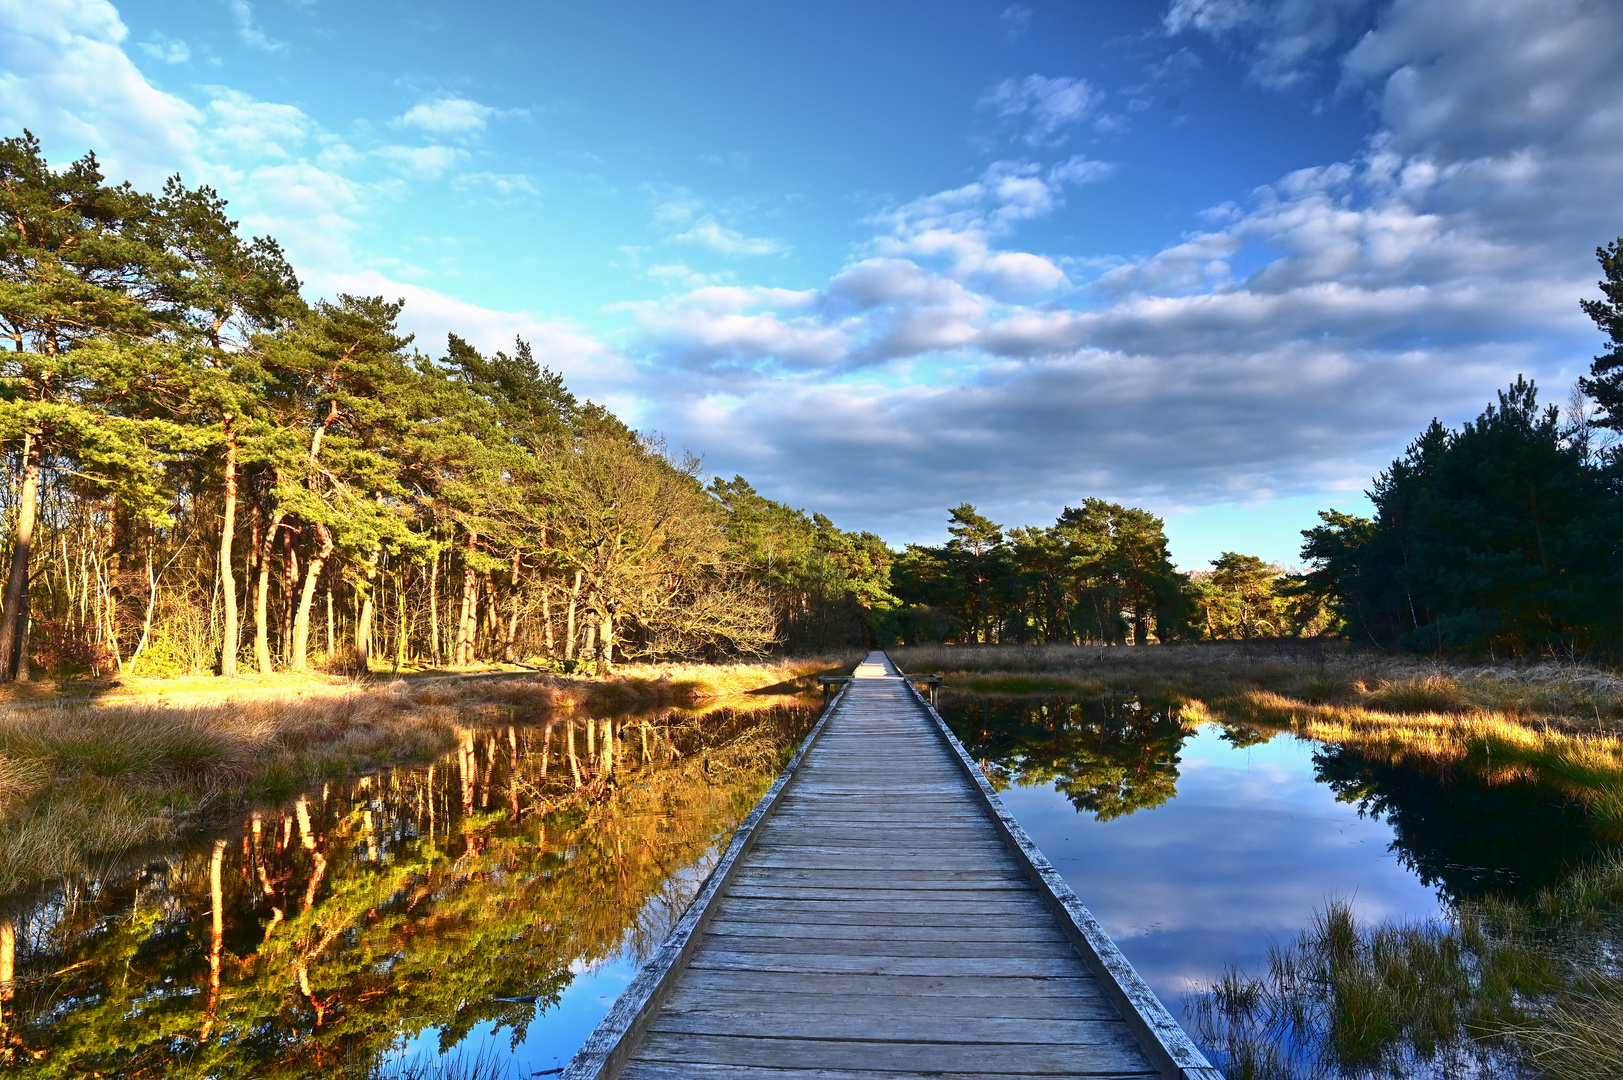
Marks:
<point>880,924</point>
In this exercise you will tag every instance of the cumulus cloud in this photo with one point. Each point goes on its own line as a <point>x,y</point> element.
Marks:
<point>1283,40</point>
<point>447,116</point>
<point>65,76</point>
<point>499,185</point>
<point>1293,346</point>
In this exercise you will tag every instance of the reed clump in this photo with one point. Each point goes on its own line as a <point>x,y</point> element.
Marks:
<point>82,784</point>
<point>1500,988</point>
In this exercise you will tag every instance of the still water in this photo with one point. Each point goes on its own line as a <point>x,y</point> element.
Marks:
<point>482,910</point>
<point>1199,849</point>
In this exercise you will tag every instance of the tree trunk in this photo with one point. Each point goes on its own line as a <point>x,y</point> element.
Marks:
<point>262,598</point>
<point>605,663</point>
<point>228,580</point>
<point>470,597</point>
<point>363,625</point>
<point>290,575</point>
<point>400,620</point>
<point>510,644</point>
<point>301,622</point>
<point>434,610</point>
<point>13,616</point>
<point>569,624</point>
<point>546,619</point>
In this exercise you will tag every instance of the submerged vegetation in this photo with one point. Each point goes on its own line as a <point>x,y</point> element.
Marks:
<point>323,935</point>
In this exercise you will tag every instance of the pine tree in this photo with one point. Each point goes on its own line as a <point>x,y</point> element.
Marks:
<point>1605,381</point>
<point>80,300</point>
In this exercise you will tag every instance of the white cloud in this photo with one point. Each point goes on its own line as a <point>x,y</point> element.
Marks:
<point>258,127</point>
<point>167,49</point>
<point>1293,347</point>
<point>708,233</point>
<point>499,185</point>
<point>1042,106</point>
<point>64,75</point>
<point>1282,40</point>
<point>242,13</point>
<point>447,116</point>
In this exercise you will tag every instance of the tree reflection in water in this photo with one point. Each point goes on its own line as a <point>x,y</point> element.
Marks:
<point>1109,756</point>
<point>1467,831</point>
<point>316,937</point>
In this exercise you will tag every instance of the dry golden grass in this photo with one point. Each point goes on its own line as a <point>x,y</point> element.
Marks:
<point>85,782</point>
<point>1310,672</point>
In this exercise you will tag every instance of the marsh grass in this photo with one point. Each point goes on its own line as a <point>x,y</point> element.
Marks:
<point>1501,988</point>
<point>1310,672</point>
<point>81,784</point>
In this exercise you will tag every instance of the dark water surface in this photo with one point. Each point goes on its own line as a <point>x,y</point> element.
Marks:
<point>474,910</point>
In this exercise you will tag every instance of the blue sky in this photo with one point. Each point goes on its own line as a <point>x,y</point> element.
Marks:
<point>1219,258</point>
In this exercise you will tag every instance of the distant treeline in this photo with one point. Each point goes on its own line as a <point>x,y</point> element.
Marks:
<point>207,472</point>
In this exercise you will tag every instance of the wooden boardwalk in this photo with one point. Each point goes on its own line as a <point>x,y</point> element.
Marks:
<point>880,916</point>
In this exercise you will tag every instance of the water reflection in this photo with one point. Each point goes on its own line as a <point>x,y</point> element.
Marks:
<point>1109,756</point>
<point>395,914</point>
<point>1457,828</point>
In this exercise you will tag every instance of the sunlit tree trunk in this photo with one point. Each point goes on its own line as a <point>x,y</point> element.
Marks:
<point>228,578</point>
<point>510,644</point>
<point>434,610</point>
<point>363,624</point>
<point>290,577</point>
<point>569,623</point>
<point>13,613</point>
<point>546,619</point>
<point>262,651</point>
<point>470,596</point>
<point>605,665</point>
<point>301,622</point>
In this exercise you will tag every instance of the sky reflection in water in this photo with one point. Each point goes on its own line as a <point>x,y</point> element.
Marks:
<point>1251,845</point>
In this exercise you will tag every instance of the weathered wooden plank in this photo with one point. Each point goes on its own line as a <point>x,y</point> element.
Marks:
<point>993,862</point>
<point>802,929</point>
<point>962,918</point>
<point>1113,1052</point>
<point>715,959</point>
<point>901,1009</point>
<point>658,1070</point>
<point>892,947</point>
<point>842,984</point>
<point>988,878</point>
<point>885,1026</point>
<point>923,894</point>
